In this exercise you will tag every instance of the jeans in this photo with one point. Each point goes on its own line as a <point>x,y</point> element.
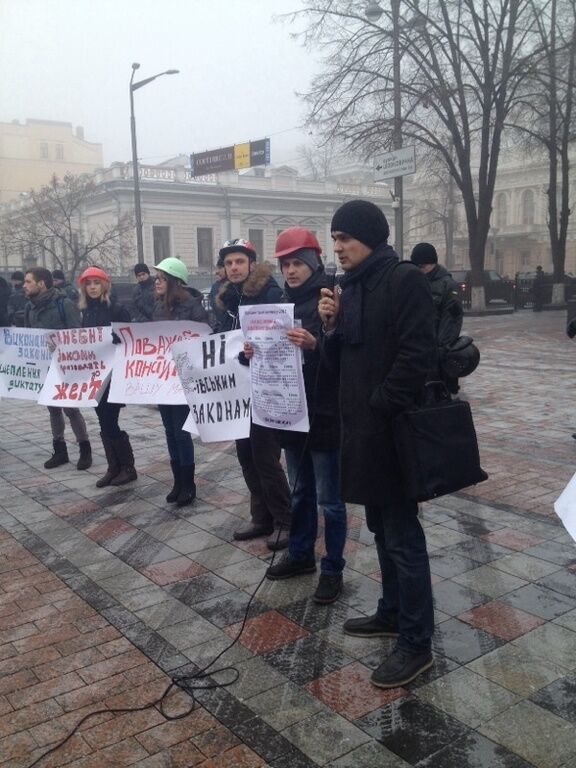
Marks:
<point>179,442</point>
<point>76,422</point>
<point>406,584</point>
<point>317,484</point>
<point>259,457</point>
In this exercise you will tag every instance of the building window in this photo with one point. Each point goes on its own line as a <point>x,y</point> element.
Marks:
<point>205,241</point>
<point>256,237</point>
<point>528,207</point>
<point>501,210</point>
<point>44,150</point>
<point>161,239</point>
<point>59,151</point>
<point>525,258</point>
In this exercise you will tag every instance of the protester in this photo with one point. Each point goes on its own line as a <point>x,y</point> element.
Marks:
<point>4,297</point>
<point>59,281</point>
<point>18,300</point>
<point>143,296</point>
<point>538,290</point>
<point>175,302</point>
<point>312,458</point>
<point>447,305</point>
<point>383,323</point>
<point>220,275</point>
<point>99,309</point>
<point>48,308</point>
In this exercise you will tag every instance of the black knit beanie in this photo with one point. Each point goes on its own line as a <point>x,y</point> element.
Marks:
<point>307,256</point>
<point>141,267</point>
<point>424,253</point>
<point>363,221</point>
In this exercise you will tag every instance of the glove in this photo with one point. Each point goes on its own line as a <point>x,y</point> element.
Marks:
<point>571,328</point>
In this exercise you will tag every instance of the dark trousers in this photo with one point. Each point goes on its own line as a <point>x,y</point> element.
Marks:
<point>108,414</point>
<point>179,442</point>
<point>259,457</point>
<point>406,584</point>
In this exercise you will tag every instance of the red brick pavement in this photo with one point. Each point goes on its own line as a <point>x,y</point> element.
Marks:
<point>60,660</point>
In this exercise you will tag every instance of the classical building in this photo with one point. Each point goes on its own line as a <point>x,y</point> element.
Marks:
<point>32,152</point>
<point>191,217</point>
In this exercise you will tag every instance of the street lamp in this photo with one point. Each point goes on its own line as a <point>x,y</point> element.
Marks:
<point>373,12</point>
<point>137,208</point>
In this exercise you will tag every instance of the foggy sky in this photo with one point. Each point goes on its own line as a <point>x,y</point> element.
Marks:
<point>71,60</point>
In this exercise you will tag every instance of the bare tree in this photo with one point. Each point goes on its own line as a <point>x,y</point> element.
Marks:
<point>545,118</point>
<point>53,221</point>
<point>461,65</point>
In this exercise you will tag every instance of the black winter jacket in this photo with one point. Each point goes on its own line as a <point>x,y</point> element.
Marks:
<point>382,375</point>
<point>143,299</point>
<point>449,313</point>
<point>189,309</point>
<point>259,288</point>
<point>99,313</point>
<point>321,372</point>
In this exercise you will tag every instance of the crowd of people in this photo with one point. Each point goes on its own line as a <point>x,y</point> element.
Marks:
<point>369,340</point>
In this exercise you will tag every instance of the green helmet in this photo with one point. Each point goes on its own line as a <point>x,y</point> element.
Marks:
<point>173,266</point>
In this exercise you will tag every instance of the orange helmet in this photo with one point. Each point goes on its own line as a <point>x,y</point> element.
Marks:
<point>93,273</point>
<point>294,239</point>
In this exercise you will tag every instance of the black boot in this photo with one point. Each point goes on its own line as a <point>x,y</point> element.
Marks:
<point>174,493</point>
<point>59,457</point>
<point>85,460</point>
<point>187,486</point>
<point>113,463</point>
<point>123,450</point>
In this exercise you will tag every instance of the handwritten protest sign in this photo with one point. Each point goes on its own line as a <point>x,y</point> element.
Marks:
<point>24,362</point>
<point>216,386</point>
<point>277,382</point>
<point>81,366</point>
<point>144,371</point>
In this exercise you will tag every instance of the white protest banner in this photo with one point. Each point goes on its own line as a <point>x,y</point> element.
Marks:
<point>24,362</point>
<point>81,366</point>
<point>216,385</point>
<point>144,372</point>
<point>565,507</point>
<point>277,382</point>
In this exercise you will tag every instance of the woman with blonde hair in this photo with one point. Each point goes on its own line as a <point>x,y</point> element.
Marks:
<point>98,309</point>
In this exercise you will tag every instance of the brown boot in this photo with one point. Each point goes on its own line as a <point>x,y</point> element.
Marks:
<point>59,457</point>
<point>123,451</point>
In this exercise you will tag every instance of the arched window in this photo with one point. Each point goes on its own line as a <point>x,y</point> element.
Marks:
<point>528,207</point>
<point>501,210</point>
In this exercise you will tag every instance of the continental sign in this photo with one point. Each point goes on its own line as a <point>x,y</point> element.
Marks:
<point>233,158</point>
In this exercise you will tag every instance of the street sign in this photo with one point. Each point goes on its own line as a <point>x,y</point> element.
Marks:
<point>400,162</point>
<point>232,158</point>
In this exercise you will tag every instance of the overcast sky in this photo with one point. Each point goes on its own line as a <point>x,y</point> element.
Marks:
<point>71,60</point>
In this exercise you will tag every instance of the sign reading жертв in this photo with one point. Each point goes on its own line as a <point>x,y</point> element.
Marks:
<point>232,158</point>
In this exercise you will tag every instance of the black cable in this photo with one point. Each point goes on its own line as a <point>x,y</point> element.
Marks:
<point>187,682</point>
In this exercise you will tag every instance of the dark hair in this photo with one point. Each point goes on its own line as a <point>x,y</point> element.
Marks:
<point>41,274</point>
<point>176,293</point>
<point>57,274</point>
<point>18,275</point>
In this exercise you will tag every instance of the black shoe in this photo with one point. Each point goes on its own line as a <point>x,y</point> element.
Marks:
<point>85,460</point>
<point>329,588</point>
<point>370,626</point>
<point>287,568</point>
<point>251,532</point>
<point>173,495</point>
<point>278,540</point>
<point>400,668</point>
<point>59,457</point>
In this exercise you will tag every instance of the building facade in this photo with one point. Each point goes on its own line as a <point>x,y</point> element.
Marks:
<point>32,152</point>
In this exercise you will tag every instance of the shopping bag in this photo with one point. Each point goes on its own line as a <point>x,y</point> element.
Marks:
<point>565,507</point>
<point>437,445</point>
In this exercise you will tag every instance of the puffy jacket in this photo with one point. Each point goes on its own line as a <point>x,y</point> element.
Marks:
<point>99,313</point>
<point>449,313</point>
<point>143,300</point>
<point>258,288</point>
<point>52,309</point>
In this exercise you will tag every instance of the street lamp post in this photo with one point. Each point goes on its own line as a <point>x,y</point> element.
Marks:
<point>373,13</point>
<point>135,173</point>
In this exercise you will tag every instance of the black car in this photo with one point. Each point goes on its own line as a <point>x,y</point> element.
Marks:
<point>496,288</point>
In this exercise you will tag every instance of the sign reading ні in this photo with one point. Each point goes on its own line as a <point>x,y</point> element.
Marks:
<point>390,165</point>
<point>232,158</point>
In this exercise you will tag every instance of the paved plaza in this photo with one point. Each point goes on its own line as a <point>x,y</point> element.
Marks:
<point>105,594</point>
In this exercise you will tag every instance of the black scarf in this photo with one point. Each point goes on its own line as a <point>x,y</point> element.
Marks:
<point>351,297</point>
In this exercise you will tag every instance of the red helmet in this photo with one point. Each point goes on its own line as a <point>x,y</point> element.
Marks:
<point>93,273</point>
<point>294,239</point>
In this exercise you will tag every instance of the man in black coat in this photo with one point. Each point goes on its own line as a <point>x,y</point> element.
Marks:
<point>143,296</point>
<point>383,321</point>
<point>447,304</point>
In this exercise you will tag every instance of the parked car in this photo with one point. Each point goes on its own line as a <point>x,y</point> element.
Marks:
<point>496,287</point>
